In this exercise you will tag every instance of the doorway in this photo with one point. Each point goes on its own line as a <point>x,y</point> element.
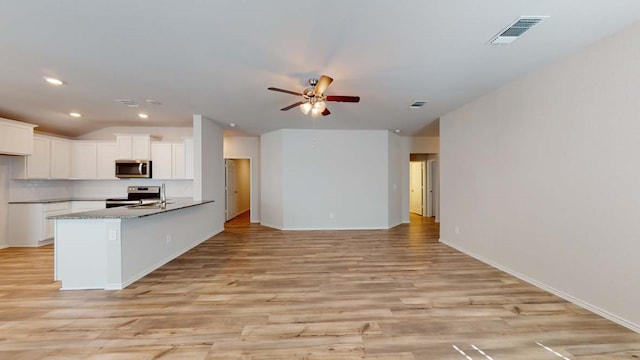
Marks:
<point>416,187</point>
<point>423,185</point>
<point>237,187</point>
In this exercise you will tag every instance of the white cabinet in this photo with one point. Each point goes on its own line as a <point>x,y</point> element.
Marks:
<point>84,156</point>
<point>51,159</point>
<point>36,165</point>
<point>107,154</point>
<point>161,155</point>
<point>28,223</point>
<point>60,159</point>
<point>133,147</point>
<point>80,206</point>
<point>93,160</point>
<point>178,161</point>
<point>172,160</point>
<point>16,138</point>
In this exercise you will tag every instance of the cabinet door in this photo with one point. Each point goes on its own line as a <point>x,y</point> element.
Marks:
<point>38,162</point>
<point>52,210</point>
<point>178,161</point>
<point>80,206</point>
<point>107,154</point>
<point>15,138</point>
<point>140,147</point>
<point>60,159</point>
<point>161,160</point>
<point>125,145</point>
<point>84,160</point>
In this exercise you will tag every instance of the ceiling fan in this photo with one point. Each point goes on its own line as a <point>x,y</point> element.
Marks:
<point>314,99</point>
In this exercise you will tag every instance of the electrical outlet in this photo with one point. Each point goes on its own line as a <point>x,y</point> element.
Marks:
<point>113,235</point>
<point>330,215</point>
<point>168,238</point>
<point>457,230</point>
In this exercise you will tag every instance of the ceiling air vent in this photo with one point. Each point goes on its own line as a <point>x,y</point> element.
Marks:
<point>516,29</point>
<point>417,104</point>
<point>129,103</point>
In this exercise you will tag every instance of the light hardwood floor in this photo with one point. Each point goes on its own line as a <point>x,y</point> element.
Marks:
<point>257,293</point>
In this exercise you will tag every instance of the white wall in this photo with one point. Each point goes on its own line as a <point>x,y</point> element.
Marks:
<point>405,144</point>
<point>23,190</point>
<point>118,188</point>
<point>247,148</point>
<point>331,179</point>
<point>541,178</point>
<point>4,200</point>
<point>159,133</point>
<point>271,174</point>
<point>208,178</point>
<point>395,162</point>
<point>425,145</point>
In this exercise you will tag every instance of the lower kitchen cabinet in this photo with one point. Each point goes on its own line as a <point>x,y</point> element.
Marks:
<point>80,206</point>
<point>28,224</point>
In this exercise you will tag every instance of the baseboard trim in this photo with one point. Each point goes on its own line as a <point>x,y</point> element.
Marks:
<point>583,304</point>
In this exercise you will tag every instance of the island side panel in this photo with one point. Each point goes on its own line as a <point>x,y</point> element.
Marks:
<point>151,241</point>
<point>81,252</point>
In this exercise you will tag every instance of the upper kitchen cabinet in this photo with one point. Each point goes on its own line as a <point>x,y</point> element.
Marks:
<point>93,160</point>
<point>16,138</point>
<point>107,154</point>
<point>172,160</point>
<point>60,159</point>
<point>133,147</point>
<point>83,160</point>
<point>161,153</point>
<point>51,159</point>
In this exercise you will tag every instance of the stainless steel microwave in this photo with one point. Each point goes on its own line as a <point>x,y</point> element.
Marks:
<point>133,169</point>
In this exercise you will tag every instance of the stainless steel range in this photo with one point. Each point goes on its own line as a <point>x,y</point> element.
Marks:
<point>137,195</point>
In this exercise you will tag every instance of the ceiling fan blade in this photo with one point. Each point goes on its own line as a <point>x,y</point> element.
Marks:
<point>326,112</point>
<point>284,91</point>
<point>353,99</point>
<point>322,85</point>
<point>292,106</point>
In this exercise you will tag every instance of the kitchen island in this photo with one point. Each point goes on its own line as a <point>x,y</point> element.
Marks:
<point>112,248</point>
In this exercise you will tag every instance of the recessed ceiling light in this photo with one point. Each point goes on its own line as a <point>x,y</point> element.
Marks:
<point>54,81</point>
<point>75,114</point>
<point>154,102</point>
<point>143,116</point>
<point>397,131</point>
<point>232,124</point>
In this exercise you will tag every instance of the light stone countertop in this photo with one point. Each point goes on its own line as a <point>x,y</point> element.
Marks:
<point>51,201</point>
<point>132,212</point>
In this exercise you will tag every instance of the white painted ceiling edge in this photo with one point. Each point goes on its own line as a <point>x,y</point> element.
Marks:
<point>217,58</point>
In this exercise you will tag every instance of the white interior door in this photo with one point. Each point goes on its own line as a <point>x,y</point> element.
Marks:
<point>416,187</point>
<point>231,203</point>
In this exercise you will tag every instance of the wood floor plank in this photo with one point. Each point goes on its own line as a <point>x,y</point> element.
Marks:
<point>254,292</point>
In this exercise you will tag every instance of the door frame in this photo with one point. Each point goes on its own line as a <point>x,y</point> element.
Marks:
<point>422,186</point>
<point>251,195</point>
<point>431,188</point>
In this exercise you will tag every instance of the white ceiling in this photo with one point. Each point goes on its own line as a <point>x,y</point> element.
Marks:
<point>217,58</point>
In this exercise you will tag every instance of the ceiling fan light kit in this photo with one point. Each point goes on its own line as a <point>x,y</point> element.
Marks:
<point>314,99</point>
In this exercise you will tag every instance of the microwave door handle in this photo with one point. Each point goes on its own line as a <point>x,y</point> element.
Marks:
<point>140,169</point>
